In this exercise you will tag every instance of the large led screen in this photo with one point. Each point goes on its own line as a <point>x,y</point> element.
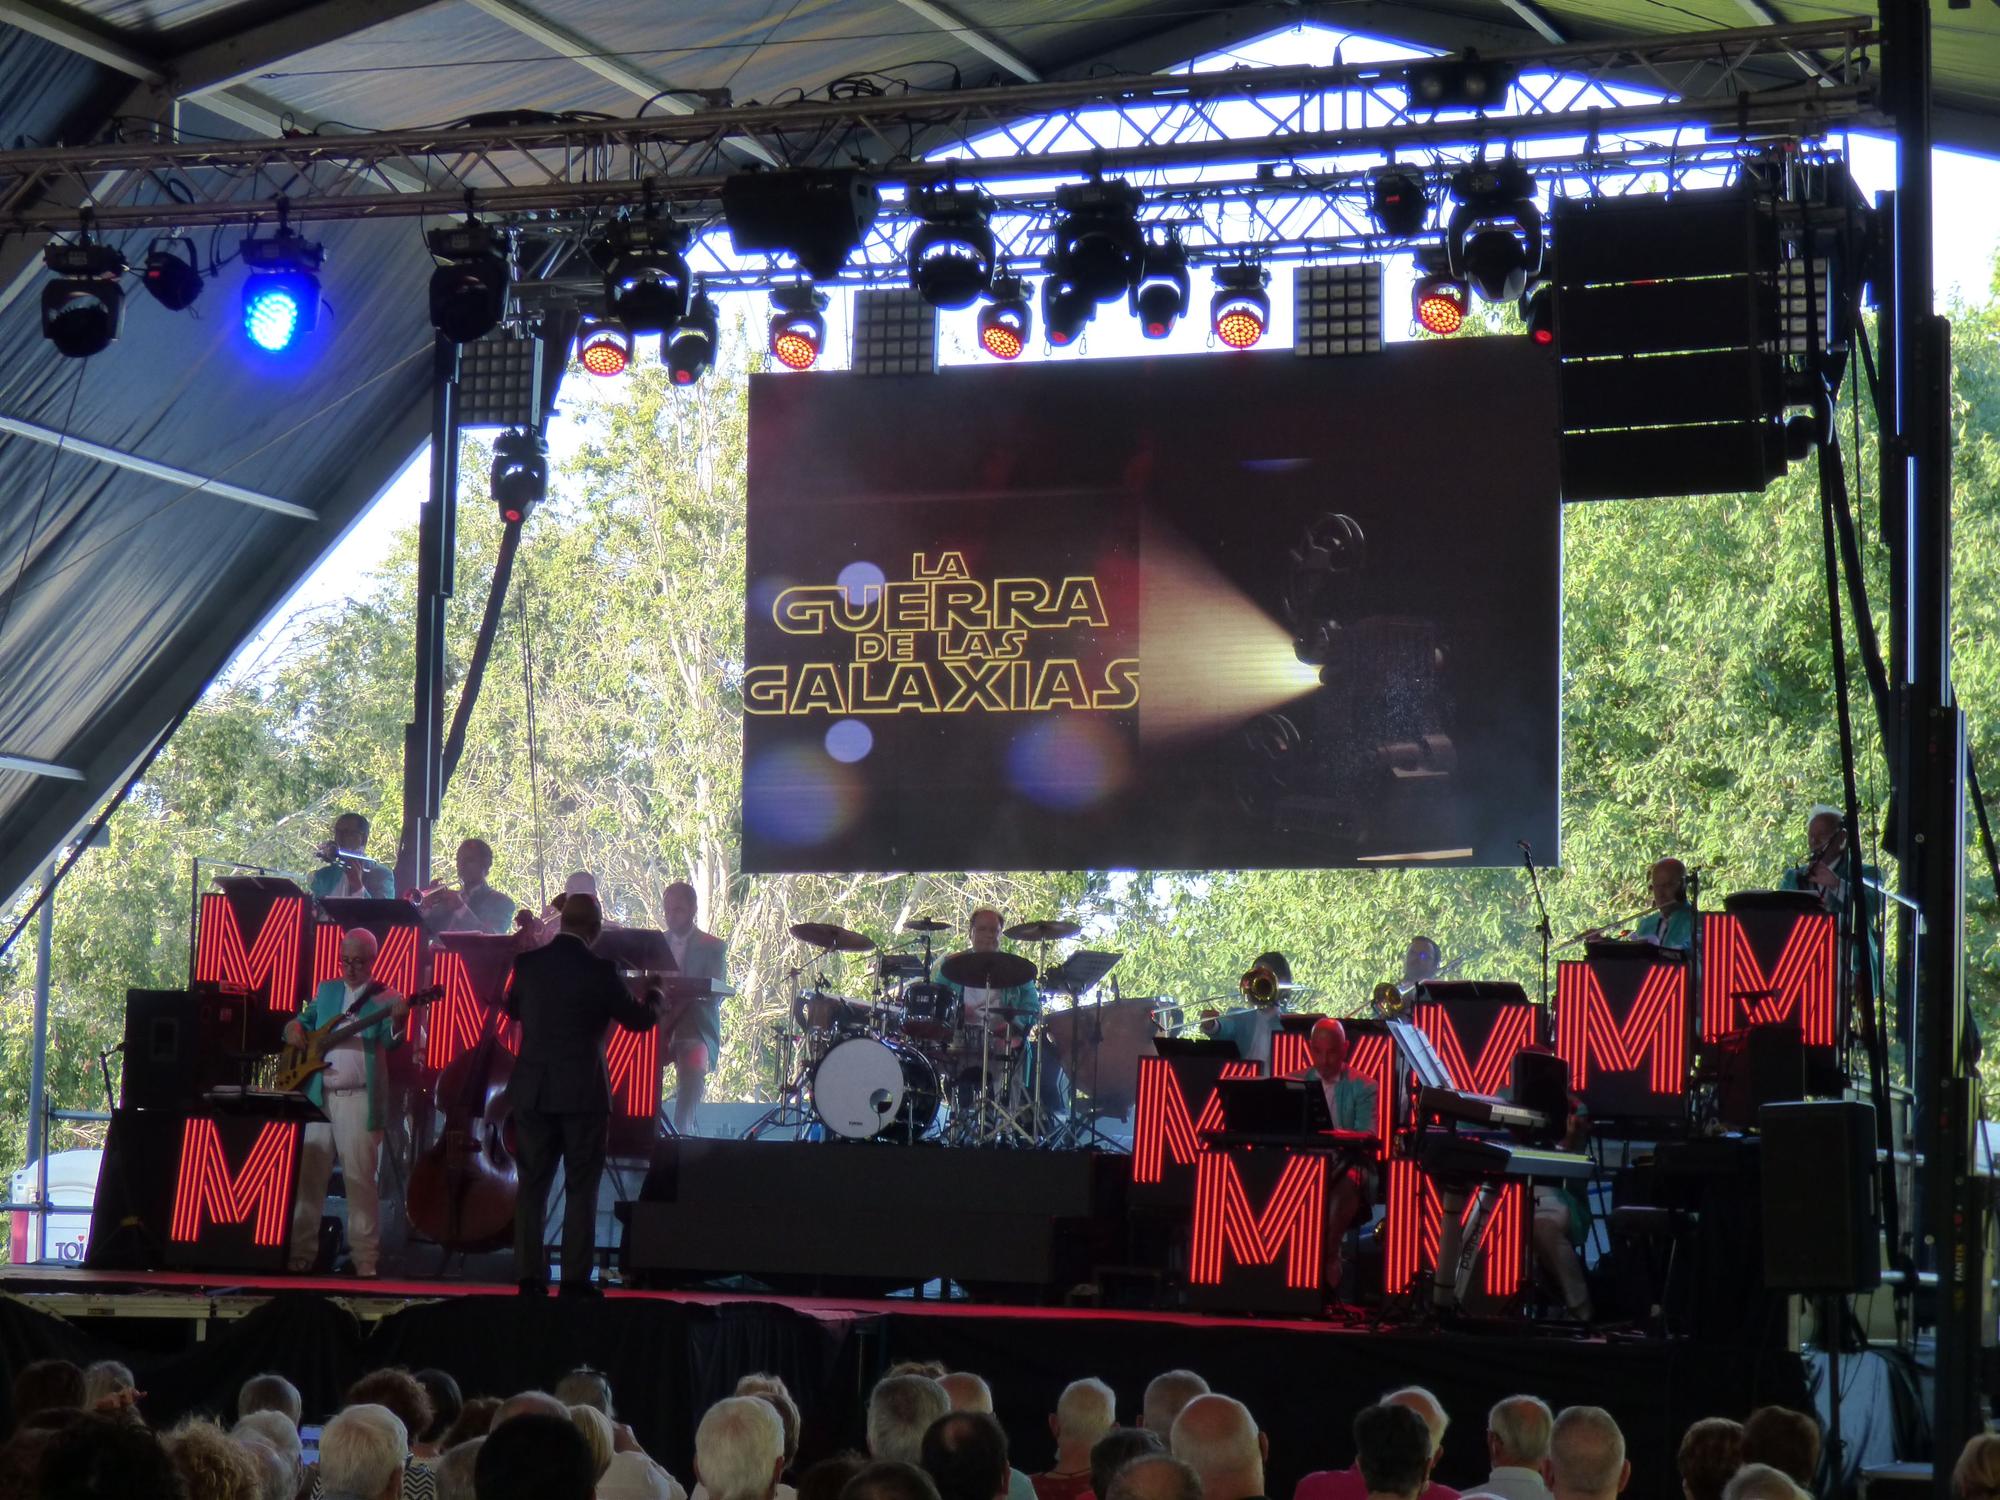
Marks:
<point>1180,613</point>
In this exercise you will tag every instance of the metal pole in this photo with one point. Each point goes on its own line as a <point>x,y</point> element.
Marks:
<point>38,1067</point>
<point>437,538</point>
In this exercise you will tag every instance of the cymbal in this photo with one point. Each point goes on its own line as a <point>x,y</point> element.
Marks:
<point>926,924</point>
<point>1045,931</point>
<point>987,971</point>
<point>827,935</point>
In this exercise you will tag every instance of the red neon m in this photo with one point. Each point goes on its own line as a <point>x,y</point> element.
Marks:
<point>270,964</point>
<point>457,1018</point>
<point>395,963</point>
<point>206,1192</point>
<point>1163,1125</point>
<point>633,1060</point>
<point>1653,1037</point>
<point>1290,1228</point>
<point>1513,1029</point>
<point>1804,982</point>
<point>1414,1220</point>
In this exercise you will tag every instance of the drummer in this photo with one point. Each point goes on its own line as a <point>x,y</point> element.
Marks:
<point>973,1002</point>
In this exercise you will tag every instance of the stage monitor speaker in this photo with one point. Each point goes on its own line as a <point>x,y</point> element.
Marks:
<point>1821,1229</point>
<point>179,1043</point>
<point>1540,1081</point>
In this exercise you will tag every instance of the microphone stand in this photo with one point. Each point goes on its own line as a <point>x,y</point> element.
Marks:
<point>1541,928</point>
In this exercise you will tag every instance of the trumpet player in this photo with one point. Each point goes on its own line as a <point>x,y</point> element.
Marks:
<point>1268,981</point>
<point>345,868</point>
<point>475,906</point>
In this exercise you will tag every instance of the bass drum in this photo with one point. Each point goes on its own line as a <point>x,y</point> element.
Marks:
<point>866,1089</point>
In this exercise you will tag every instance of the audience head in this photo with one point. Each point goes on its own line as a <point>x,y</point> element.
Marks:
<point>774,1390</point>
<point>901,1409</point>
<point>270,1393</point>
<point>277,1476</point>
<point>212,1467</point>
<point>1117,1448</point>
<point>274,1431</point>
<point>890,1479</point>
<point>931,1367</point>
<point>739,1449</point>
<point>1711,1451</point>
<point>362,1451</point>
<point>105,1458</point>
<point>530,1403</point>
<point>584,1386</point>
<point>827,1478</point>
<point>446,1401</point>
<point>1787,1440</point>
<point>1517,1432</point>
<point>1216,1437</point>
<point>1165,1396</point>
<point>474,1420</point>
<point>1587,1455</point>
<point>1762,1482</point>
<point>1086,1410</point>
<point>535,1455</point>
<point>1427,1406</point>
<point>965,1453</point>
<point>596,1430</point>
<point>1976,1475</point>
<point>454,1470</point>
<point>1160,1476</point>
<point>967,1391</point>
<point>107,1377</point>
<point>399,1391</point>
<point>48,1385</point>
<point>1392,1448</point>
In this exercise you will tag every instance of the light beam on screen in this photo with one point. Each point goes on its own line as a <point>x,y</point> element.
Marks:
<point>797,795</point>
<point>1068,763</point>
<point>1210,656</point>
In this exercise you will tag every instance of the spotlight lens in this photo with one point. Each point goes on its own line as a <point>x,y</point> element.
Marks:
<point>1000,341</point>
<point>1239,325</point>
<point>1545,335</point>
<point>795,341</point>
<point>1440,314</point>
<point>605,352</point>
<point>271,317</point>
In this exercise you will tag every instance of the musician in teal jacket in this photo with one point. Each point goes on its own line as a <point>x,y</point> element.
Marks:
<point>350,1091</point>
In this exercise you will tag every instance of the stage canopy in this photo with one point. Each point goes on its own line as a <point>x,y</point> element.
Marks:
<point>195,491</point>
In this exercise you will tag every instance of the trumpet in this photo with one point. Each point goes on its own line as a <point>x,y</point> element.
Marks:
<point>1262,985</point>
<point>1391,1002</point>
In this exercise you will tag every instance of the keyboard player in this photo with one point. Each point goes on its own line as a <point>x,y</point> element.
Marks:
<point>1350,1101</point>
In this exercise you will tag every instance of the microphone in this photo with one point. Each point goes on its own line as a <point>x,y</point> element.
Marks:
<point>1522,845</point>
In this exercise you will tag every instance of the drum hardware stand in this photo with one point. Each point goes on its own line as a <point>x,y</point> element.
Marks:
<point>790,1111</point>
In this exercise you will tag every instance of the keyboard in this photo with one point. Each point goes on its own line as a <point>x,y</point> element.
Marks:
<point>1480,1109</point>
<point>1445,1155</point>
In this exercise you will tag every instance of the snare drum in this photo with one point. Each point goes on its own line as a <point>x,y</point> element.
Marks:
<point>930,1011</point>
<point>865,1088</point>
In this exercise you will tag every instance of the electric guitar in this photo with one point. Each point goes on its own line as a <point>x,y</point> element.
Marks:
<point>297,1065</point>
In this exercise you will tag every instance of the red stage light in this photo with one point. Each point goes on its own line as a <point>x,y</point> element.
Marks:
<point>1000,341</point>
<point>603,347</point>
<point>1239,327</point>
<point>796,339</point>
<point>1440,303</point>
<point>1240,310</point>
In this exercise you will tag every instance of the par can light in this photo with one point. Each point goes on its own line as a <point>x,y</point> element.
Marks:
<point>1240,311</point>
<point>798,329</point>
<point>1006,322</point>
<point>603,346</point>
<point>171,275</point>
<point>281,295</point>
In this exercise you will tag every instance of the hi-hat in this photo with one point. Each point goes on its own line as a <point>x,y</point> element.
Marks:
<point>987,971</point>
<point>926,924</point>
<point>1046,931</point>
<point>827,935</point>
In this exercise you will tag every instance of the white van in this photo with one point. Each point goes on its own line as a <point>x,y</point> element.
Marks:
<point>72,1190</point>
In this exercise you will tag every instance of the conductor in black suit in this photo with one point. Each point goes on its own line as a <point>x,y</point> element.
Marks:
<point>565,996</point>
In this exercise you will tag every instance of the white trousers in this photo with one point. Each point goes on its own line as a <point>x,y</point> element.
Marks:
<point>345,1137</point>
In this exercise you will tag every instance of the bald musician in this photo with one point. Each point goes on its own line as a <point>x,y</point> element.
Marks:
<point>1350,1101</point>
<point>1671,921</point>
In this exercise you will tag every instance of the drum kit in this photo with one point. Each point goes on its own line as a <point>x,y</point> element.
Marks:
<point>955,1050</point>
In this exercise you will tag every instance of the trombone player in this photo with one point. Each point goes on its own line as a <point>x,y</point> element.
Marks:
<point>1268,981</point>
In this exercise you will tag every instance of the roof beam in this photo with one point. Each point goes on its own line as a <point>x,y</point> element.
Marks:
<point>1543,23</point>
<point>32,767</point>
<point>74,31</point>
<point>971,36</point>
<point>152,468</point>
<point>256,49</point>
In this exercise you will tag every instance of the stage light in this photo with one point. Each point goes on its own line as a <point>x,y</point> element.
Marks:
<point>1066,312</point>
<point>1397,201</point>
<point>603,346</point>
<point>817,216</point>
<point>1457,83</point>
<point>647,286</point>
<point>1240,311</point>
<point>171,274</point>
<point>1098,246</point>
<point>83,307</point>
<point>1494,239</point>
<point>281,296</point>
<point>798,331</point>
<point>468,294</point>
<point>1007,320</point>
<point>1438,301</point>
<point>1538,311</point>
<point>688,350</point>
<point>1160,297</point>
<point>520,473</point>
<point>951,250</point>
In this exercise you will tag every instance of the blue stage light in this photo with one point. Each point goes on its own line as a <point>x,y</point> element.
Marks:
<point>272,312</point>
<point>281,296</point>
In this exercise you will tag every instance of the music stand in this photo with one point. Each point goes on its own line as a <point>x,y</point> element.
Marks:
<point>1420,1055</point>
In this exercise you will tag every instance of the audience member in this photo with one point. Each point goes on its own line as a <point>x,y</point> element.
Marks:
<point>891,1479</point>
<point>1117,1448</point>
<point>1159,1477</point>
<point>1711,1452</point>
<point>969,1392</point>
<point>446,1404</point>
<point>454,1468</point>
<point>1217,1438</point>
<point>530,1404</point>
<point>1392,1449</point>
<point>1587,1455</point>
<point>1976,1475</point>
<point>1086,1410</point>
<point>634,1476</point>
<point>901,1409</point>
<point>739,1449</point>
<point>773,1389</point>
<point>931,1369</point>
<point>1165,1396</point>
<point>1787,1440</point>
<point>107,1458</point>
<point>277,1475</point>
<point>827,1478</point>
<point>48,1385</point>
<point>534,1455</point>
<point>270,1393</point>
<point>584,1386</point>
<point>965,1453</point>
<point>106,1379</point>
<point>210,1465</point>
<point>1347,1484</point>
<point>275,1431</point>
<point>1517,1446</point>
<point>1762,1482</point>
<point>363,1451</point>
<point>475,1418</point>
<point>596,1430</point>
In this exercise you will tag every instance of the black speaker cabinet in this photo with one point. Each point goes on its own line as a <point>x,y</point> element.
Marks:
<point>1821,1228</point>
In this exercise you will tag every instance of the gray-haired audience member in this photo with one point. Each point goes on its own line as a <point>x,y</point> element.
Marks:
<point>270,1393</point>
<point>1086,1410</point>
<point>1165,1396</point>
<point>1587,1455</point>
<point>361,1455</point>
<point>584,1386</point>
<point>1158,1477</point>
<point>739,1449</point>
<point>105,1377</point>
<point>1217,1437</point>
<point>275,1429</point>
<point>531,1403</point>
<point>901,1409</point>
<point>454,1469</point>
<point>1518,1430</point>
<point>277,1477</point>
<point>1762,1482</point>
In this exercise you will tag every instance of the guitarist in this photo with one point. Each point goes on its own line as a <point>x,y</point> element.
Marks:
<point>350,1090</point>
